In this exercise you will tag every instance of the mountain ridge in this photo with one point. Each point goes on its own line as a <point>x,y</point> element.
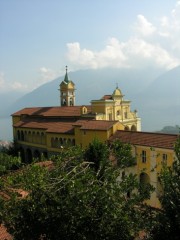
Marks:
<point>142,87</point>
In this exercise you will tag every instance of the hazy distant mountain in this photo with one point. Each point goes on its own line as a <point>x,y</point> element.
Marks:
<point>171,129</point>
<point>159,103</point>
<point>156,98</point>
<point>90,84</point>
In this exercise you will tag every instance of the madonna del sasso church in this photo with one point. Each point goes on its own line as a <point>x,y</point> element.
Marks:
<point>45,131</point>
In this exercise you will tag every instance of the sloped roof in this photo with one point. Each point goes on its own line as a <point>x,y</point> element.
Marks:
<point>149,139</point>
<point>48,125</point>
<point>94,124</point>
<point>65,111</point>
<point>55,126</point>
<point>66,78</point>
<point>107,97</point>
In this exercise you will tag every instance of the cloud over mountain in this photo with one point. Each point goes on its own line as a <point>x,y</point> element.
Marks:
<point>46,74</point>
<point>144,27</point>
<point>135,53</point>
<point>152,44</point>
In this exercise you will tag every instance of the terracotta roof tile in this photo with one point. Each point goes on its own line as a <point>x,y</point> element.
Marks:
<point>149,139</point>
<point>71,111</point>
<point>4,235</point>
<point>48,125</point>
<point>57,126</point>
<point>47,164</point>
<point>94,124</point>
<point>107,97</point>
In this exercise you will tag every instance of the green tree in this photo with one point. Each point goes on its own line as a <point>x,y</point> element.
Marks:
<point>8,162</point>
<point>168,220</point>
<point>97,154</point>
<point>72,202</point>
<point>123,154</point>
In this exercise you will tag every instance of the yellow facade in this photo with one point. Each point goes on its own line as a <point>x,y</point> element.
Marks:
<point>149,165</point>
<point>152,151</point>
<point>114,107</point>
<point>38,141</point>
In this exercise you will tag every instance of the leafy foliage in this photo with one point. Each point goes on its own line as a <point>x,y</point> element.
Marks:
<point>8,162</point>
<point>123,154</point>
<point>79,198</point>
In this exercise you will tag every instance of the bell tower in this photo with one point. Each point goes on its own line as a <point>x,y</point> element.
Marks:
<point>67,91</point>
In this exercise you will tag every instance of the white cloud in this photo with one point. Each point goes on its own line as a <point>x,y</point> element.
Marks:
<point>47,74</point>
<point>19,86</point>
<point>141,52</point>
<point>164,21</point>
<point>144,27</point>
<point>152,45</point>
<point>170,28</point>
<point>134,53</point>
<point>83,57</point>
<point>112,55</point>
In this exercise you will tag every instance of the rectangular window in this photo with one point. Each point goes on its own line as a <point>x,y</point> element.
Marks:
<point>164,158</point>
<point>125,115</point>
<point>143,156</point>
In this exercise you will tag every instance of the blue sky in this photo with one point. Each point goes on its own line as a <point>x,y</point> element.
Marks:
<point>38,38</point>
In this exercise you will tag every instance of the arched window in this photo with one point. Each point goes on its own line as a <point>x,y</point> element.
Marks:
<point>33,137</point>
<point>144,178</point>
<point>29,136</point>
<point>64,102</point>
<point>22,136</point>
<point>43,141</point>
<point>56,143</point>
<point>25,136</point>
<point>38,137</point>
<point>133,128</point>
<point>18,135</point>
<point>71,102</point>
<point>52,142</point>
<point>61,141</point>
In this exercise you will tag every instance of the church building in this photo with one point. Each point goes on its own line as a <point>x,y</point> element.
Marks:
<point>46,130</point>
